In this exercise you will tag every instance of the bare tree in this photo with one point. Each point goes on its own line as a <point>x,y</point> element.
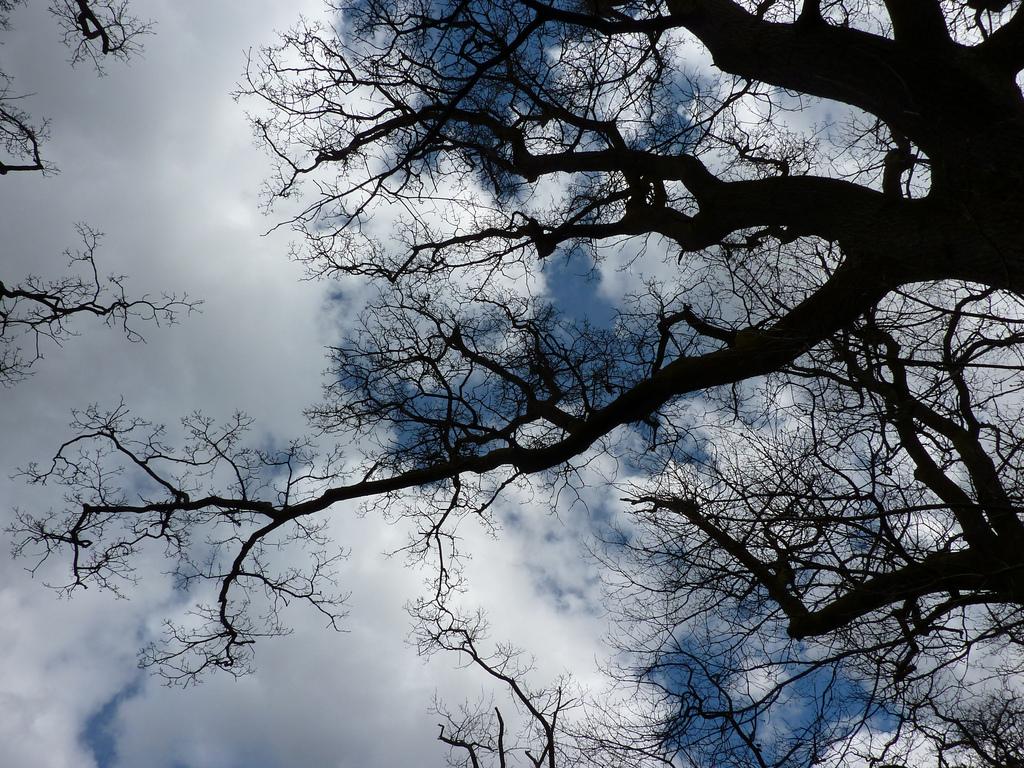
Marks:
<point>825,557</point>
<point>39,311</point>
<point>481,735</point>
<point>92,30</point>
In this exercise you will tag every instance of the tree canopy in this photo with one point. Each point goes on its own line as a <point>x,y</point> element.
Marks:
<point>813,395</point>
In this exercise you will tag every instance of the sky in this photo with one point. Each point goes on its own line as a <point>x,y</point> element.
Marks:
<point>159,157</point>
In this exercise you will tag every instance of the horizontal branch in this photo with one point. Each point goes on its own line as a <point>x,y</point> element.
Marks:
<point>938,572</point>
<point>849,292</point>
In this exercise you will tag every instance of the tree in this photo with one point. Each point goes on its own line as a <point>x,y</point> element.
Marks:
<point>91,30</point>
<point>39,308</point>
<point>818,405</point>
<point>37,311</point>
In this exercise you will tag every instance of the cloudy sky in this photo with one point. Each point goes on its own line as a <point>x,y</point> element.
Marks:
<point>158,156</point>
